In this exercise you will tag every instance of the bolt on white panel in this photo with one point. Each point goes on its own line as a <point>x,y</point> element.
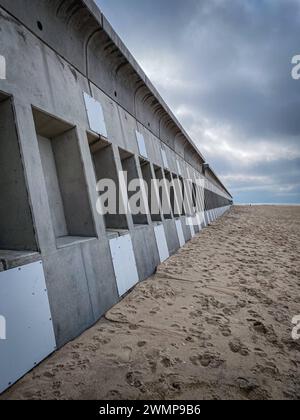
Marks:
<point>29,336</point>
<point>180,232</point>
<point>161,243</point>
<point>124,263</point>
<point>95,115</point>
<point>141,144</point>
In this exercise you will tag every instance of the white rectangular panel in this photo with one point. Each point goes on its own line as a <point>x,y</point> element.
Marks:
<point>95,115</point>
<point>124,263</point>
<point>141,144</point>
<point>190,222</point>
<point>178,168</point>
<point>180,232</point>
<point>161,243</point>
<point>24,306</point>
<point>164,158</point>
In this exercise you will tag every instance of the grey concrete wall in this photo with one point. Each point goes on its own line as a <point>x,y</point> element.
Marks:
<point>65,49</point>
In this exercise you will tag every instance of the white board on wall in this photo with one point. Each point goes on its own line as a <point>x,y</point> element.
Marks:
<point>178,167</point>
<point>161,241</point>
<point>190,222</point>
<point>200,220</point>
<point>141,144</point>
<point>124,263</point>
<point>164,158</point>
<point>25,307</point>
<point>95,115</point>
<point>180,232</point>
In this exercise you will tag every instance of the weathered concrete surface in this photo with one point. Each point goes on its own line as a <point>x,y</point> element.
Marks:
<point>213,323</point>
<point>146,252</point>
<point>81,287</point>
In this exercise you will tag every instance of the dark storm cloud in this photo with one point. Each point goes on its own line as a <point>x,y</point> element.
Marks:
<point>224,67</point>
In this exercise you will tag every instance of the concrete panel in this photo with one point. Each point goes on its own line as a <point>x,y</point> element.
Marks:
<point>100,276</point>
<point>128,124</point>
<point>145,250</point>
<point>171,236</point>
<point>124,263</point>
<point>44,73</point>
<point>185,229</point>
<point>29,330</point>
<point>67,39</point>
<point>161,243</point>
<point>68,291</point>
<point>156,151</point>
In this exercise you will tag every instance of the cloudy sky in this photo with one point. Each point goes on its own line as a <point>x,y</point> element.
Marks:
<point>224,68</point>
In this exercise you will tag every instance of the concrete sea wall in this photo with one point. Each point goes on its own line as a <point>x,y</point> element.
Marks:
<point>75,107</point>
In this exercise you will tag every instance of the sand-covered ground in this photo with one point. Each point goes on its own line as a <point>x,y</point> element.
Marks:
<point>213,323</point>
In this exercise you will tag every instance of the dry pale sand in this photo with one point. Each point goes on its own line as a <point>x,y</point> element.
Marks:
<point>213,323</point>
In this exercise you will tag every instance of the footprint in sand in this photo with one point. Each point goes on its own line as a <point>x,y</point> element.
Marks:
<point>226,332</point>
<point>132,380</point>
<point>260,352</point>
<point>207,360</point>
<point>254,314</point>
<point>166,362</point>
<point>176,326</point>
<point>49,375</point>
<point>125,354</point>
<point>133,327</point>
<point>259,327</point>
<point>247,385</point>
<point>268,369</point>
<point>237,347</point>
<point>114,394</point>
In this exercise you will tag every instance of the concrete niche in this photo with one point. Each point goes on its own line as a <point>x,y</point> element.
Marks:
<point>105,168</point>
<point>163,192</point>
<point>65,180</point>
<point>16,226</point>
<point>129,166</point>
<point>153,200</point>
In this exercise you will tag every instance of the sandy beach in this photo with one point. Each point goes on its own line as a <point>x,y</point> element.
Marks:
<point>214,322</point>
